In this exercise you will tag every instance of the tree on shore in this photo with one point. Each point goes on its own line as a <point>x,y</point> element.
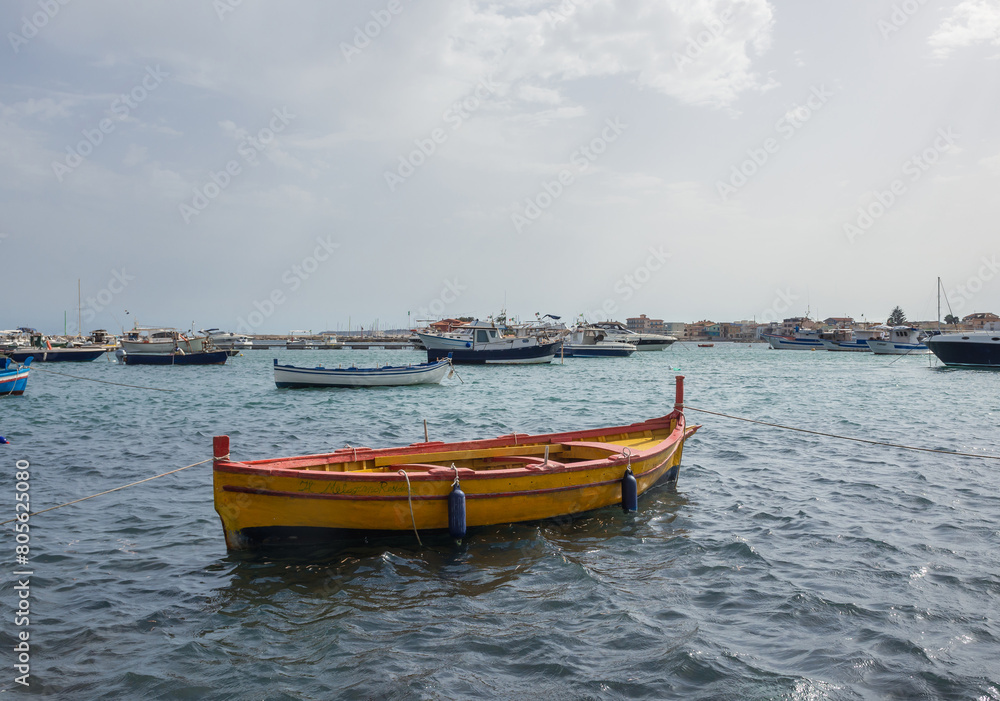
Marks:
<point>951,319</point>
<point>896,317</point>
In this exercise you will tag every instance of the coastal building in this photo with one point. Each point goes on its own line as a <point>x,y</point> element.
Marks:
<point>839,322</point>
<point>446,325</point>
<point>643,324</point>
<point>979,320</point>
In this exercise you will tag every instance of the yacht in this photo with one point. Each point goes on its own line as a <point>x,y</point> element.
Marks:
<point>592,342</point>
<point>225,340</point>
<point>974,349</point>
<point>617,331</point>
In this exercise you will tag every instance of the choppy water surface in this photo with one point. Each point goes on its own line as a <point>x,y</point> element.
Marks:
<point>785,566</point>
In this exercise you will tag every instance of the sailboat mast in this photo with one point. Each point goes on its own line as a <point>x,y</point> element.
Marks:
<point>939,304</point>
<point>79,318</point>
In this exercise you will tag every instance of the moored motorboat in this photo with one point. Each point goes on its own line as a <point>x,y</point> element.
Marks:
<point>162,340</point>
<point>434,485</point>
<point>480,342</point>
<point>848,340</point>
<point>224,340</point>
<point>975,349</point>
<point>33,343</point>
<point>592,342</point>
<point>900,340</point>
<point>14,376</point>
<point>801,339</point>
<point>385,376</point>
<point>178,357</point>
<point>617,331</point>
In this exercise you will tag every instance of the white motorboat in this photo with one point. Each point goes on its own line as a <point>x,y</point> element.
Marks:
<point>592,342</point>
<point>973,349</point>
<point>225,340</point>
<point>901,340</point>
<point>617,331</point>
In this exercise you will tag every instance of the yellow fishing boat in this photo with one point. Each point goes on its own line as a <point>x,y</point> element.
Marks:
<point>437,486</point>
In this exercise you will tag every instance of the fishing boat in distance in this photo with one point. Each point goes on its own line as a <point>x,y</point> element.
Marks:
<point>592,342</point>
<point>975,349</point>
<point>14,376</point>
<point>33,343</point>
<point>385,376</point>
<point>480,342</point>
<point>176,357</point>
<point>800,339</point>
<point>162,340</point>
<point>706,345</point>
<point>851,340</point>
<point>900,340</point>
<point>432,486</point>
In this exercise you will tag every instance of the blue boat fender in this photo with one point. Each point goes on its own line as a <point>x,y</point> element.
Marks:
<point>3,441</point>
<point>630,491</point>
<point>456,509</point>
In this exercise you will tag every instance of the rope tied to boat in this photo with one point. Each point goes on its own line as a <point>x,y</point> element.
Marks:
<point>455,483</point>
<point>108,491</point>
<point>409,498</point>
<point>844,438</point>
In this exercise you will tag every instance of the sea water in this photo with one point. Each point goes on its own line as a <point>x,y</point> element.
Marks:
<point>784,566</point>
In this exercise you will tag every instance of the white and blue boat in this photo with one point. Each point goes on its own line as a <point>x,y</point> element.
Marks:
<point>385,376</point>
<point>480,342</point>
<point>902,340</point>
<point>14,376</point>
<point>802,339</point>
<point>851,340</point>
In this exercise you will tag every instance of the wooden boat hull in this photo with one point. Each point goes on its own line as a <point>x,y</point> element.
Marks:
<point>361,490</point>
<point>424,373</point>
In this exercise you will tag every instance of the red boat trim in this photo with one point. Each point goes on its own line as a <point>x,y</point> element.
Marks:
<point>509,440</point>
<point>264,467</point>
<point>431,497</point>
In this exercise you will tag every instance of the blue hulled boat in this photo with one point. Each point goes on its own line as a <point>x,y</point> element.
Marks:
<point>479,342</point>
<point>176,358</point>
<point>14,376</point>
<point>978,349</point>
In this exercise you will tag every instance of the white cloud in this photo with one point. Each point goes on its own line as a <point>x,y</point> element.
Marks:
<point>972,22</point>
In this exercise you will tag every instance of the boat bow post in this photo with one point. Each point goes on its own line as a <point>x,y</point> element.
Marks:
<point>679,393</point>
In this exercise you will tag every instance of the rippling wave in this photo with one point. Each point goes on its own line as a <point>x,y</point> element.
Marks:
<point>784,566</point>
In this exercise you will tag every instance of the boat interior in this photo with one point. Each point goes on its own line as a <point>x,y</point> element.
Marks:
<point>535,455</point>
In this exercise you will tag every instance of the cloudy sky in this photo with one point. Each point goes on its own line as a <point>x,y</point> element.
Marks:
<point>302,165</point>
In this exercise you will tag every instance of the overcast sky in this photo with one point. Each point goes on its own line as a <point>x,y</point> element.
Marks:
<point>299,165</point>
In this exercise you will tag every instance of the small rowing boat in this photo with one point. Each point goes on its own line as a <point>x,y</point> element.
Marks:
<point>511,478</point>
<point>14,376</point>
<point>385,376</point>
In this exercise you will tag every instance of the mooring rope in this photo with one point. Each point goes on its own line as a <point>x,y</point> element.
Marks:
<point>409,498</point>
<point>845,438</point>
<point>124,486</point>
<point>106,382</point>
